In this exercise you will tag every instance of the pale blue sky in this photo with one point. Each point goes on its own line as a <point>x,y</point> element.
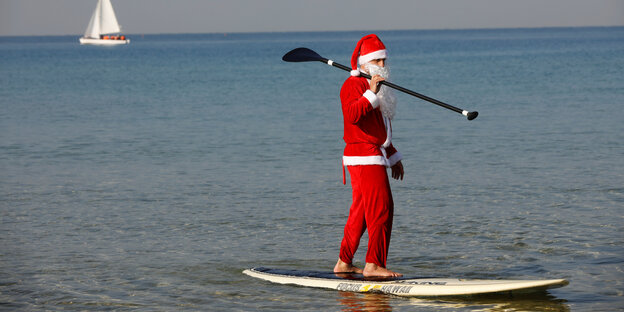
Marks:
<point>70,17</point>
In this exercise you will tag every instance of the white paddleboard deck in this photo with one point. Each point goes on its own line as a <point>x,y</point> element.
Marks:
<point>404,286</point>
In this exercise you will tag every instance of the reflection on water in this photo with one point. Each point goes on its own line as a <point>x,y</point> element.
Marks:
<point>541,301</point>
<point>364,302</point>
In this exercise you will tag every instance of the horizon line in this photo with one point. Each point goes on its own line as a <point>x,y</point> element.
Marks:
<point>321,31</point>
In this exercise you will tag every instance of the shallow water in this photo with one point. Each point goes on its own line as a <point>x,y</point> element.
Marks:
<point>147,177</point>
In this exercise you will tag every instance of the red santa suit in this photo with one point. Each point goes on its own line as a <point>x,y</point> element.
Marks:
<point>367,154</point>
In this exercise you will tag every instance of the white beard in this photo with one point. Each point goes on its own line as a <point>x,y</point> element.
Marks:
<point>387,100</point>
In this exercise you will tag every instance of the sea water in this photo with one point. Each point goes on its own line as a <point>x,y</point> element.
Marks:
<point>149,176</point>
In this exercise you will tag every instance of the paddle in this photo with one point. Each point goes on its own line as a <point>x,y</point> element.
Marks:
<point>307,55</point>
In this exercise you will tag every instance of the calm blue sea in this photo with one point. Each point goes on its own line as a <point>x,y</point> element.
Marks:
<point>147,177</point>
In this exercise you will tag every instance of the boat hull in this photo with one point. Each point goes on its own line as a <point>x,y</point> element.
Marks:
<point>103,42</point>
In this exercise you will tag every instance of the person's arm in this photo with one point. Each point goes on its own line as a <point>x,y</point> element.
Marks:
<point>357,101</point>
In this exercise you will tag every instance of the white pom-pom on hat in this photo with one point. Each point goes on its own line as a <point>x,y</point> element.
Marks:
<point>355,72</point>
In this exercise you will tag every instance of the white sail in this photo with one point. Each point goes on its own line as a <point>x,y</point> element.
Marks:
<point>103,21</point>
<point>108,22</point>
<point>93,29</point>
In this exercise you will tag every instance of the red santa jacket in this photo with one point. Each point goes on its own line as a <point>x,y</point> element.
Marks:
<point>367,133</point>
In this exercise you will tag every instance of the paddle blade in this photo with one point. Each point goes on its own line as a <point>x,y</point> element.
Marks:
<point>301,55</point>
<point>472,115</point>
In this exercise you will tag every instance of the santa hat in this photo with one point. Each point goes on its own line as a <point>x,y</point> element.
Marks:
<point>367,49</point>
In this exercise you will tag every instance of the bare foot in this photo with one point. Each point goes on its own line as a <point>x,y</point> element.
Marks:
<point>372,269</point>
<point>342,267</point>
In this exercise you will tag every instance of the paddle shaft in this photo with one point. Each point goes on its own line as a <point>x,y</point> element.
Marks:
<point>470,115</point>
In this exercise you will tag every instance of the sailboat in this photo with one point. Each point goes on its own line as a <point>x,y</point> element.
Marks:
<point>103,28</point>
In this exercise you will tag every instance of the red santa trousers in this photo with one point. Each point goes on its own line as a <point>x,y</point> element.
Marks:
<point>372,209</point>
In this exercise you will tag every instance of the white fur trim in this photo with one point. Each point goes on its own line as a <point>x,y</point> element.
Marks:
<point>395,158</point>
<point>355,72</point>
<point>372,98</point>
<point>372,160</point>
<point>363,160</point>
<point>381,54</point>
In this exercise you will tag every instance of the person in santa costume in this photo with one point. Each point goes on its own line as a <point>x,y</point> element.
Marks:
<point>368,108</point>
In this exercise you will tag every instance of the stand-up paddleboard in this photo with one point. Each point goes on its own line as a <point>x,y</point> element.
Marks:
<point>402,286</point>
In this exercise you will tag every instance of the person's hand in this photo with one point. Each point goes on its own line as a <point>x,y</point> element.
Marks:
<point>397,171</point>
<point>374,84</point>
